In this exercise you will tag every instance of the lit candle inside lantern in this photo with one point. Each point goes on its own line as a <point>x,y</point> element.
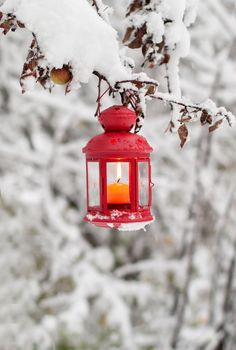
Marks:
<point>118,192</point>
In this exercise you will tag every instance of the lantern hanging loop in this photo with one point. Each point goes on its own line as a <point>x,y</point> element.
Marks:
<point>100,96</point>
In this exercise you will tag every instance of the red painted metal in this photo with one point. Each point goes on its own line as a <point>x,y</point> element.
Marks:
<point>117,118</point>
<point>114,143</point>
<point>118,144</point>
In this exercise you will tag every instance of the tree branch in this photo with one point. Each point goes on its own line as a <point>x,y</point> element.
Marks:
<point>96,6</point>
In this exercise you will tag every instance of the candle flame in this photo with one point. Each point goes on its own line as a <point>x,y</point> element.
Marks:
<point>118,171</point>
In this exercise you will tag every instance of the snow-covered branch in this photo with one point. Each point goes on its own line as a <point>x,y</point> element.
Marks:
<point>89,46</point>
<point>103,10</point>
<point>61,278</point>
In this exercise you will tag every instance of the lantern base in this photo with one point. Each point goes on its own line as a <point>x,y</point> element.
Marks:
<point>121,220</point>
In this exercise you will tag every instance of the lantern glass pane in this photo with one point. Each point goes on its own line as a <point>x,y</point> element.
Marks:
<point>93,184</point>
<point>118,188</point>
<point>143,180</point>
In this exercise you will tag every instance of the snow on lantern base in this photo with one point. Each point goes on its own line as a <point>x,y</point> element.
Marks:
<point>118,173</point>
<point>122,220</point>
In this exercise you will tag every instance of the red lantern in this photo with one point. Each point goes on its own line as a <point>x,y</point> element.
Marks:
<point>118,173</point>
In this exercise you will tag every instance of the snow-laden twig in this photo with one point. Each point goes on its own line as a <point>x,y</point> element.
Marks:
<point>227,303</point>
<point>103,10</point>
<point>79,58</point>
<point>217,253</point>
<point>189,239</point>
<point>208,107</point>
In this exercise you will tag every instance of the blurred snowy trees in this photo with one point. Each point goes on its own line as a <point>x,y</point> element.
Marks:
<point>66,285</point>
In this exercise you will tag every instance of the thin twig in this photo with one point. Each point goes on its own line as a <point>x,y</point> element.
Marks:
<point>164,97</point>
<point>96,6</point>
<point>168,79</point>
<point>216,254</point>
<point>227,304</point>
<point>190,236</point>
<point>136,81</point>
<point>102,77</point>
<point>188,108</point>
<point>99,97</point>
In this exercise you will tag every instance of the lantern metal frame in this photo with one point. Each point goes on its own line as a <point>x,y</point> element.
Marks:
<point>117,144</point>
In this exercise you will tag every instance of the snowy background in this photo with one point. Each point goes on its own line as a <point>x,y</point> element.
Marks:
<point>66,285</point>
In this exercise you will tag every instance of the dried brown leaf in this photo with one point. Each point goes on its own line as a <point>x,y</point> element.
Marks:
<point>216,125</point>
<point>183,134</point>
<point>151,64</point>
<point>138,40</point>
<point>134,6</point>
<point>128,33</point>
<point>135,44</point>
<point>170,127</point>
<point>6,26</point>
<point>9,22</point>
<point>138,84</point>
<point>185,120</point>
<point>20,24</point>
<point>151,90</point>
<point>32,64</point>
<point>165,59</point>
<point>145,48</point>
<point>32,68</point>
<point>161,46</point>
<point>205,117</point>
<point>184,112</point>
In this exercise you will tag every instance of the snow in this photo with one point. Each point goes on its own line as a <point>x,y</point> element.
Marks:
<point>191,12</point>
<point>178,40</point>
<point>134,226</point>
<point>66,284</point>
<point>102,258</point>
<point>176,33</point>
<point>111,221</point>
<point>104,10</point>
<point>29,83</point>
<point>155,26</point>
<point>71,33</point>
<point>98,216</point>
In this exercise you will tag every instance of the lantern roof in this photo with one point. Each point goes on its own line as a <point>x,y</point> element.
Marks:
<point>117,118</point>
<point>116,142</point>
<point>117,122</point>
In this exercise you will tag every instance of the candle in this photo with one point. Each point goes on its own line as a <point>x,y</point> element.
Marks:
<point>118,192</point>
